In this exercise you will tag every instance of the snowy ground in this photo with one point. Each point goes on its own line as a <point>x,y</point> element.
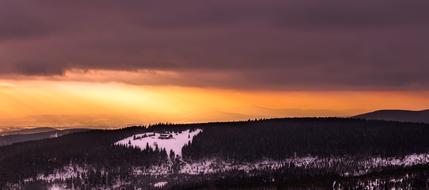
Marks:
<point>160,184</point>
<point>169,141</point>
<point>57,187</point>
<point>161,172</point>
<point>212,166</point>
<point>67,172</point>
<point>349,165</point>
<point>408,160</point>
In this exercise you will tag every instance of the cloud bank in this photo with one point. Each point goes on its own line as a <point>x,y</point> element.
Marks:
<point>262,44</point>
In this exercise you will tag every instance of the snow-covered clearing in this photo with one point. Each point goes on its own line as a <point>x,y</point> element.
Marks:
<point>170,141</point>
<point>160,184</point>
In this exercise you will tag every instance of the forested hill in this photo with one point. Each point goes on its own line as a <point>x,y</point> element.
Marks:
<point>245,141</point>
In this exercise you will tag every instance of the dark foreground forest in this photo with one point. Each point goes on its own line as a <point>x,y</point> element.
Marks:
<point>295,153</point>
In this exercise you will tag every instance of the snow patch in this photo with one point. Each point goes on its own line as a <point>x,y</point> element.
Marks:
<point>160,184</point>
<point>406,161</point>
<point>57,187</point>
<point>169,141</point>
<point>67,172</point>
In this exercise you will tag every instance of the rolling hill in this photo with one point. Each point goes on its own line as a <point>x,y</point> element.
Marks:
<point>28,131</point>
<point>34,134</point>
<point>397,115</point>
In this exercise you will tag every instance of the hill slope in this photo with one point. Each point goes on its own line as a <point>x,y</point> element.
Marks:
<point>35,134</point>
<point>300,153</point>
<point>397,115</point>
<point>16,131</point>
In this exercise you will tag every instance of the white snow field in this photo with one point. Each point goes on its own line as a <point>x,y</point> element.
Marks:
<point>160,184</point>
<point>170,141</point>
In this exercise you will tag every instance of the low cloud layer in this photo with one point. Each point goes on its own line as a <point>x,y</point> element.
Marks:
<point>266,44</point>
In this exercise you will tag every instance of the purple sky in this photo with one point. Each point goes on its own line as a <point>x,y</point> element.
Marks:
<point>266,44</point>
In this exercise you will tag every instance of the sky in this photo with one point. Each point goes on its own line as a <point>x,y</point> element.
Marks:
<point>116,63</point>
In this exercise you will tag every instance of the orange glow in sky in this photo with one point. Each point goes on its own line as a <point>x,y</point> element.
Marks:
<point>96,102</point>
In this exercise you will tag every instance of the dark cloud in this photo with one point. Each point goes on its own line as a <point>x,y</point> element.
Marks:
<point>16,24</point>
<point>294,44</point>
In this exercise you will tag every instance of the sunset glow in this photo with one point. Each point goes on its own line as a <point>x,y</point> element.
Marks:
<point>97,102</point>
<point>113,63</point>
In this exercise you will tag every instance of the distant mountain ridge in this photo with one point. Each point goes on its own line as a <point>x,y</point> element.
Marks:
<point>421,116</point>
<point>27,131</point>
<point>35,134</point>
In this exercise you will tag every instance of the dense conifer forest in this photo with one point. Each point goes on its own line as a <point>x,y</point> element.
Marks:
<point>244,141</point>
